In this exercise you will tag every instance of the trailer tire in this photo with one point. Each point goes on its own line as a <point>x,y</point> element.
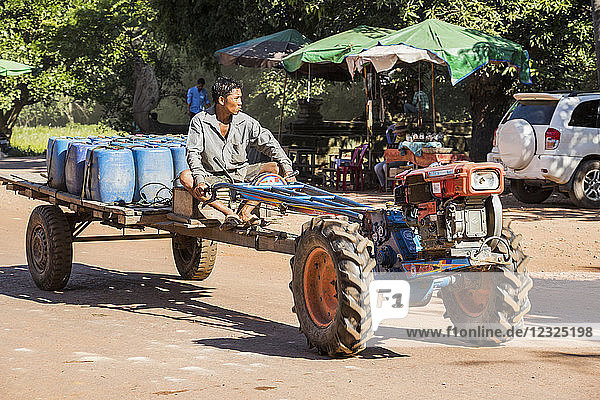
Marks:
<point>331,272</point>
<point>49,247</point>
<point>194,257</point>
<point>507,301</point>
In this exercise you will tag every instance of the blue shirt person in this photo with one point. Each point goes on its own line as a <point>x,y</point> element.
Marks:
<point>419,103</point>
<point>197,98</point>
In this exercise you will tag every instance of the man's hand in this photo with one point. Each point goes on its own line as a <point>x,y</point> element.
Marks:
<point>200,191</point>
<point>290,179</point>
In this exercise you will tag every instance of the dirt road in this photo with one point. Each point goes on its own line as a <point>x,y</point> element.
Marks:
<point>127,328</point>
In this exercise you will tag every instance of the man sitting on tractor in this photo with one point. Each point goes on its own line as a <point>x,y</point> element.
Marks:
<point>218,139</point>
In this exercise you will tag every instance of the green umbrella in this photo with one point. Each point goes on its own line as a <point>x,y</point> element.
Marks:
<point>325,57</point>
<point>8,68</point>
<point>464,50</point>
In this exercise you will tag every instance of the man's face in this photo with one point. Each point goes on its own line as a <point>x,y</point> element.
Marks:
<point>199,86</point>
<point>233,101</point>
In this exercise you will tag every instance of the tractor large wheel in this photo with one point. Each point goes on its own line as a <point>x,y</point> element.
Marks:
<point>491,300</point>
<point>331,273</point>
<point>49,247</point>
<point>194,257</point>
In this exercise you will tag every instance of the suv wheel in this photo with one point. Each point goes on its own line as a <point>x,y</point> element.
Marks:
<point>530,194</point>
<point>586,185</point>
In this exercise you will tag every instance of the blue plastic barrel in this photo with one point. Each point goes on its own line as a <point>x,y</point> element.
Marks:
<point>179,161</point>
<point>100,140</point>
<point>75,165</point>
<point>122,143</point>
<point>153,173</point>
<point>56,156</point>
<point>110,175</point>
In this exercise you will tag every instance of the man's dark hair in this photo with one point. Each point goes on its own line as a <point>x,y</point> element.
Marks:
<point>223,87</point>
<point>201,81</point>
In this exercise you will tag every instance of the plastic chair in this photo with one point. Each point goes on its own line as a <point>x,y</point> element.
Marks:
<point>353,168</point>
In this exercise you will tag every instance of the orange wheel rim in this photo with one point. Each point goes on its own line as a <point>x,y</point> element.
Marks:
<point>320,287</point>
<point>473,302</point>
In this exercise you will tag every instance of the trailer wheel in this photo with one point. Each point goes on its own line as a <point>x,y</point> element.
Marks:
<point>194,257</point>
<point>496,299</point>
<point>331,273</point>
<point>49,247</point>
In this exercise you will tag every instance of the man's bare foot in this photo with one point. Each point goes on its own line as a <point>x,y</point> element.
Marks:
<point>251,219</point>
<point>232,221</point>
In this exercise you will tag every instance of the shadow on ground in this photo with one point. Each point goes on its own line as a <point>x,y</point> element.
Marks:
<point>558,301</point>
<point>557,206</point>
<point>554,302</point>
<point>31,164</point>
<point>166,296</point>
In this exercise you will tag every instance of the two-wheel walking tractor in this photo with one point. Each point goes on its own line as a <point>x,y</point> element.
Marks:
<point>444,232</point>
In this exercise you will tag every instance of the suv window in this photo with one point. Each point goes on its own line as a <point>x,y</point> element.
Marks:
<point>536,112</point>
<point>585,114</point>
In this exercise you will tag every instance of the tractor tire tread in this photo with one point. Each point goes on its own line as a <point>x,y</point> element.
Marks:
<point>350,329</point>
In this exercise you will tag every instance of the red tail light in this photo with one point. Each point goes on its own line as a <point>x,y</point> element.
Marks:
<point>552,138</point>
<point>495,137</point>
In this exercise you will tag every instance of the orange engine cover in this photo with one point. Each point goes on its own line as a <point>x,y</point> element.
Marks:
<point>455,180</point>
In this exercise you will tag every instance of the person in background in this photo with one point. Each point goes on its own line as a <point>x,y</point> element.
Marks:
<point>197,98</point>
<point>419,101</point>
<point>380,171</point>
<point>380,168</point>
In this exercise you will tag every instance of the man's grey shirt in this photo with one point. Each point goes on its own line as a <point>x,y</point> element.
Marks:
<point>205,143</point>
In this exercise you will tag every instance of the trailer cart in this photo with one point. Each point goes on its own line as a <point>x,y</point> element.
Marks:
<point>429,237</point>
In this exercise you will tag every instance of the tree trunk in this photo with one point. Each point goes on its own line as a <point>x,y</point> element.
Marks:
<point>489,101</point>
<point>146,98</point>
<point>5,131</point>
<point>8,118</point>
<point>596,22</point>
<point>146,94</point>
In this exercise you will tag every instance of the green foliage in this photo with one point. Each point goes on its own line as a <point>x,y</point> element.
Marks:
<point>87,50</point>
<point>117,34</point>
<point>24,32</point>
<point>64,110</point>
<point>263,96</point>
<point>33,140</point>
<point>271,85</point>
<point>557,33</point>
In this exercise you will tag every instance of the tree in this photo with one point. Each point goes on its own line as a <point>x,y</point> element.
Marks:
<point>125,64</point>
<point>87,50</point>
<point>90,49</point>
<point>557,33</point>
<point>596,22</point>
<point>25,28</point>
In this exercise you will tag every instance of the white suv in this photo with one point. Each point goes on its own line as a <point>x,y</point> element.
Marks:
<point>551,140</point>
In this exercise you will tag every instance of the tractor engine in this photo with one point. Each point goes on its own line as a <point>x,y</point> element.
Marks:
<point>452,206</point>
